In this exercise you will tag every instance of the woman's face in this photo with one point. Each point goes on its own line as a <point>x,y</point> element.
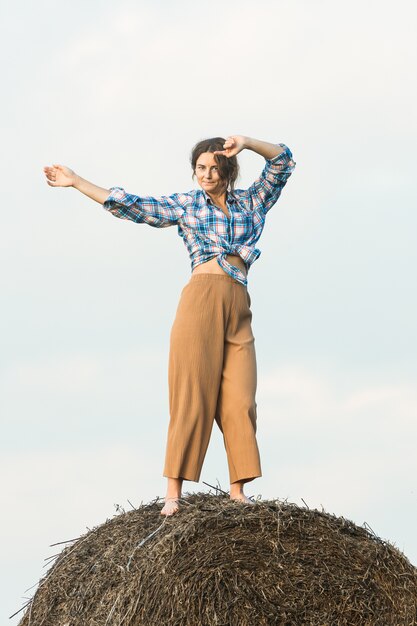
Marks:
<point>207,172</point>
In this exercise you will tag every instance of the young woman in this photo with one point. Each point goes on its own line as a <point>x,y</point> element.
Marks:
<point>212,362</point>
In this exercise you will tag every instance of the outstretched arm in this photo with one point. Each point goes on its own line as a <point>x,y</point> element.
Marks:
<point>266,189</point>
<point>62,176</point>
<point>159,212</point>
<point>236,143</point>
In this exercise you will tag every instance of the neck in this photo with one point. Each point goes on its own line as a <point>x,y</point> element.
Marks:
<point>219,199</point>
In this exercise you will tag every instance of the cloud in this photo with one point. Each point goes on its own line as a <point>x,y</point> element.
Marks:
<point>127,56</point>
<point>313,398</point>
<point>63,491</point>
<point>67,397</point>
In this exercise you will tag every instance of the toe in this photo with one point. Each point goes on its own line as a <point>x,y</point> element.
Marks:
<point>242,498</point>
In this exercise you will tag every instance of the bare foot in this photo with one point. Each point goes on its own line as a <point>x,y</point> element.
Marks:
<point>242,498</point>
<point>170,507</point>
<point>173,495</point>
<point>236,492</point>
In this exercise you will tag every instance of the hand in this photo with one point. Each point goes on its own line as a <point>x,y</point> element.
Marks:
<point>232,146</point>
<point>59,176</point>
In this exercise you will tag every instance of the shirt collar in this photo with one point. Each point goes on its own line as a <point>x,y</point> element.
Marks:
<point>229,198</point>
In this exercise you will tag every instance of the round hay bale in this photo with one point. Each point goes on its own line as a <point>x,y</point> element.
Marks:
<point>222,563</point>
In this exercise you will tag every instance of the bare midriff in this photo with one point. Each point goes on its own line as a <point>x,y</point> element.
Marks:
<point>212,266</point>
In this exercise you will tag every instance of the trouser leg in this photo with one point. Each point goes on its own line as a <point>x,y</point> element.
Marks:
<point>194,373</point>
<point>236,407</point>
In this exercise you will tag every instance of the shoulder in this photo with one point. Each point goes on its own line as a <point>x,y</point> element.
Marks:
<point>183,199</point>
<point>193,197</point>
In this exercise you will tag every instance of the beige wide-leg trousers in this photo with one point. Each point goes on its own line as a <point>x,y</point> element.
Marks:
<point>212,376</point>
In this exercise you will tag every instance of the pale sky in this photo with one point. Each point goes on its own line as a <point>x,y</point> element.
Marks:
<point>121,94</point>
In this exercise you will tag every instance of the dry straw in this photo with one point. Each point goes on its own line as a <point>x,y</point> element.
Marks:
<point>222,563</point>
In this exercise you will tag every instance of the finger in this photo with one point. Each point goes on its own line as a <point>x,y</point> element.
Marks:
<point>220,152</point>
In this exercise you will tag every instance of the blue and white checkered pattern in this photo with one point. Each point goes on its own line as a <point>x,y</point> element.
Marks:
<point>206,230</point>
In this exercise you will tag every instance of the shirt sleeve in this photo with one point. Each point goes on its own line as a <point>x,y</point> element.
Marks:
<point>266,189</point>
<point>158,212</point>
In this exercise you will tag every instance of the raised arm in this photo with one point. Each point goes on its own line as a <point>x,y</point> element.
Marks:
<point>266,189</point>
<point>62,176</point>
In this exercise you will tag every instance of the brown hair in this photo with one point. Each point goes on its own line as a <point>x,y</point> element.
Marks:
<point>228,166</point>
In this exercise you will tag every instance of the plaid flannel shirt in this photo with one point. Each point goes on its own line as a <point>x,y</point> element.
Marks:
<point>205,229</point>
